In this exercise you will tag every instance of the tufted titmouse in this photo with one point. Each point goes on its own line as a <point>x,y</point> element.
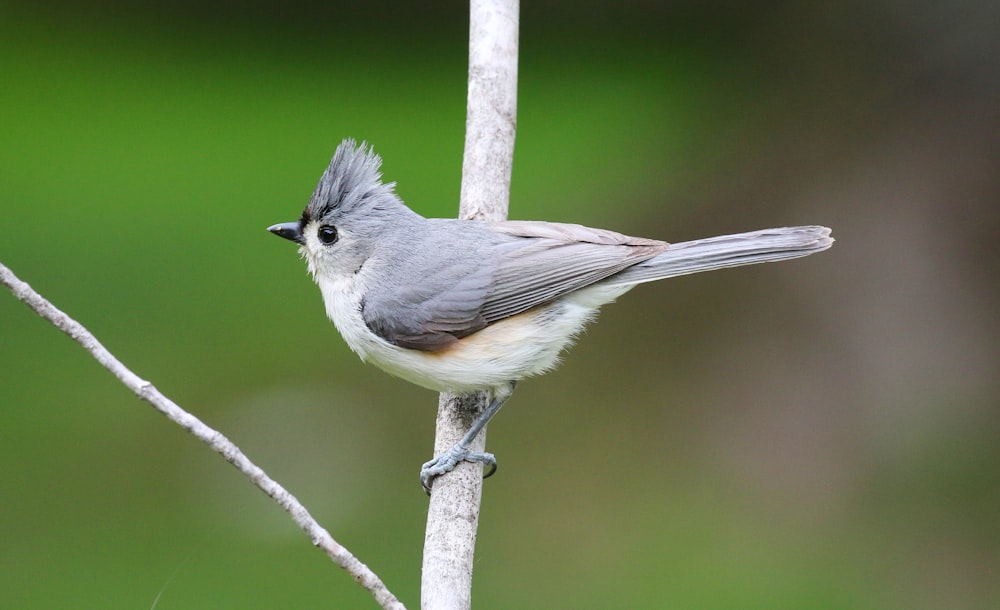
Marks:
<point>460,305</point>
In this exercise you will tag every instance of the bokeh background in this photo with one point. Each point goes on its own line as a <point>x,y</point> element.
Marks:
<point>822,433</point>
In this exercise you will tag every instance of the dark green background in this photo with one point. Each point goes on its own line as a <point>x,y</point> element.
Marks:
<point>817,434</point>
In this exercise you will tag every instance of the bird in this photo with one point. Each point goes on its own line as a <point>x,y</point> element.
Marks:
<point>469,305</point>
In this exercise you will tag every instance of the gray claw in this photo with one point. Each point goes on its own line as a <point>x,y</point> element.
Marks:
<point>447,461</point>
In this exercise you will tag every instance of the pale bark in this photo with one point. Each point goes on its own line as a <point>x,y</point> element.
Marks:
<point>211,437</point>
<point>453,514</point>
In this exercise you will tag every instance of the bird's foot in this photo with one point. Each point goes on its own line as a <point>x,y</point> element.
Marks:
<point>447,461</point>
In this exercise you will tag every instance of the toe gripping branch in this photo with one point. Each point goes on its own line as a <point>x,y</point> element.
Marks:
<point>447,461</point>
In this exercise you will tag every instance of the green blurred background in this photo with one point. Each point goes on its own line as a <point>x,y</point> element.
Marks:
<point>817,434</point>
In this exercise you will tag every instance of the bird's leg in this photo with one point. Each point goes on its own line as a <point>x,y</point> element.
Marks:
<point>447,461</point>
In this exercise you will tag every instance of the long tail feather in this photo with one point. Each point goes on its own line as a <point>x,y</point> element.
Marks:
<point>767,245</point>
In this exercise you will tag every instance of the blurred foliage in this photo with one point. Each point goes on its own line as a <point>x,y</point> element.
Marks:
<point>819,434</point>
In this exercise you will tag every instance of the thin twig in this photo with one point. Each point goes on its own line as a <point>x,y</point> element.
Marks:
<point>453,514</point>
<point>213,438</point>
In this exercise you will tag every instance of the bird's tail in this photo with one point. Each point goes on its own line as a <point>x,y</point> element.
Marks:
<point>763,246</point>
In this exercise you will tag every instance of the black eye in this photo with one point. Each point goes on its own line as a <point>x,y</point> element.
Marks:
<point>327,234</point>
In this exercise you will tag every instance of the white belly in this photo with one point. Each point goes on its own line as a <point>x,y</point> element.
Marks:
<point>520,346</point>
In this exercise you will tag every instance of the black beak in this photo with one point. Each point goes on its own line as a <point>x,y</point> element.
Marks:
<point>288,230</point>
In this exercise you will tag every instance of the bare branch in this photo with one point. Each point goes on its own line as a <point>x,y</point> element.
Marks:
<point>453,514</point>
<point>211,437</point>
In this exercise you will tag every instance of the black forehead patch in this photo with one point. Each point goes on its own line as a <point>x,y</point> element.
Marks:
<point>304,220</point>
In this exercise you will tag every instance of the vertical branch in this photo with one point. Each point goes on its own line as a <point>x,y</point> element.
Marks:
<point>491,118</point>
<point>453,514</point>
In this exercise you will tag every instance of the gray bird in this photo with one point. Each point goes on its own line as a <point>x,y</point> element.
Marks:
<point>463,305</point>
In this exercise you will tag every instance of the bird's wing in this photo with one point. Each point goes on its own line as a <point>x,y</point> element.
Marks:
<point>547,260</point>
<point>524,265</point>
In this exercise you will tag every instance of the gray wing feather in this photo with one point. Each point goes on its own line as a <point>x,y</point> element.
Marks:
<point>548,260</point>
<point>567,232</point>
<point>434,306</point>
<point>456,290</point>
